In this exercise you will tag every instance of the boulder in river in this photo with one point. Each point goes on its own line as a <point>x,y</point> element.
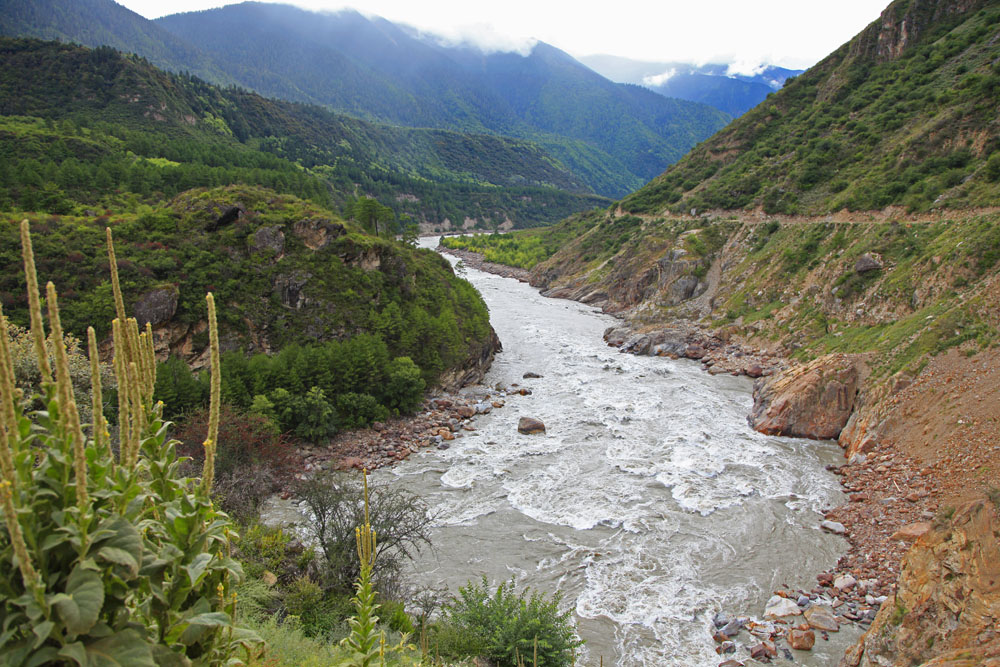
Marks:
<point>778,606</point>
<point>820,617</point>
<point>801,640</point>
<point>531,375</point>
<point>530,426</point>
<point>814,400</point>
<point>834,527</point>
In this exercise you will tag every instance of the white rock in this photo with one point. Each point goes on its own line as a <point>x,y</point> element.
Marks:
<point>833,527</point>
<point>778,606</point>
<point>844,581</point>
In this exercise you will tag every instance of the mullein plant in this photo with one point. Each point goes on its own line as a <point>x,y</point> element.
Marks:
<point>366,644</point>
<point>108,555</point>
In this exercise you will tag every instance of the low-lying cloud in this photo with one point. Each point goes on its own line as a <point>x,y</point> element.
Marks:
<point>655,80</point>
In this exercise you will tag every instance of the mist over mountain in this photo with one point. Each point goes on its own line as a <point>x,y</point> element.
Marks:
<point>733,88</point>
<point>614,136</point>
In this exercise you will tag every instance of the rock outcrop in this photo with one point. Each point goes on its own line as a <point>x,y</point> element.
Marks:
<point>810,401</point>
<point>947,605</point>
<point>474,367</point>
<point>156,306</point>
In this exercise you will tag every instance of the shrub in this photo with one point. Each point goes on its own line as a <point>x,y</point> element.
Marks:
<point>358,410</point>
<point>251,458</point>
<point>507,624</point>
<point>398,517</point>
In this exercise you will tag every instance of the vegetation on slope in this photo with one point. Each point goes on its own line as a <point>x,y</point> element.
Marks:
<point>92,128</point>
<point>904,114</point>
<point>353,283</point>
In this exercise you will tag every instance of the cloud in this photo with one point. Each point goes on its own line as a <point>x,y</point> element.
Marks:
<point>655,80</point>
<point>745,67</point>
<point>482,37</point>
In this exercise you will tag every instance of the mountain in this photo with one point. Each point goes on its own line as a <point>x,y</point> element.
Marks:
<point>106,23</point>
<point>904,114</point>
<point>714,84</point>
<point>126,124</point>
<point>614,136</point>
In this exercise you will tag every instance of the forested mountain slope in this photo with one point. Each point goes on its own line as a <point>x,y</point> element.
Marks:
<point>106,23</point>
<point>903,114</point>
<point>614,136</point>
<point>74,118</point>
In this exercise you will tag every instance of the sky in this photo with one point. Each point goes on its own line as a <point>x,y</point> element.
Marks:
<point>789,33</point>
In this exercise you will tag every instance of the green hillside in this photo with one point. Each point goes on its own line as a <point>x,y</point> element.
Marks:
<point>72,118</point>
<point>905,114</point>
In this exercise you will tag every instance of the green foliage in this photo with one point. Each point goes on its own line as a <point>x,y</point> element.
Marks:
<point>858,131</point>
<point>507,624</point>
<point>71,140</point>
<point>107,559</point>
<point>398,517</point>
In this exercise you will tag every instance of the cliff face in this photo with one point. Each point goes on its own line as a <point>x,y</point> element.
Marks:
<point>946,610</point>
<point>903,24</point>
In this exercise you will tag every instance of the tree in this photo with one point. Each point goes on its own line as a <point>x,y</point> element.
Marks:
<point>398,517</point>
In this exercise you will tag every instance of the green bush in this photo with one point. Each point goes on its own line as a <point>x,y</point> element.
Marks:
<point>508,624</point>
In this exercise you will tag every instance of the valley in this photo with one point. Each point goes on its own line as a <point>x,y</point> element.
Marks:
<point>700,359</point>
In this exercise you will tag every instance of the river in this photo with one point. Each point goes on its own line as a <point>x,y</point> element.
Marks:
<point>649,503</point>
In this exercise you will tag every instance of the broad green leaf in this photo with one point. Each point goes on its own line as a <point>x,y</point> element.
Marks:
<point>75,652</point>
<point>43,656</point>
<point>122,649</point>
<point>197,567</point>
<point>119,557</point>
<point>164,657</point>
<point>86,597</point>
<point>42,631</point>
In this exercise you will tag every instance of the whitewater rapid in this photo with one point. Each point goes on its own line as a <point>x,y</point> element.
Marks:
<point>648,503</point>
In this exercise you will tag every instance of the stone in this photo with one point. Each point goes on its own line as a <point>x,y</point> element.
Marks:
<point>228,217</point>
<point>268,238</point>
<point>764,651</point>
<point>733,627</point>
<point>465,411</point>
<point>524,391</point>
<point>269,578</point>
<point>845,582</point>
<point>778,606</point>
<point>156,306</point>
<point>316,234</point>
<point>694,351</point>
<point>813,400</point>
<point>530,426</point>
<point>820,617</point>
<point>868,262</point>
<point>754,371</point>
<point>726,647</point>
<point>946,600</point>
<point>802,601</point>
<point>833,527</point>
<point>801,640</point>
<point>531,375</point>
<point>731,663</point>
<point>720,619</point>
<point>351,462</point>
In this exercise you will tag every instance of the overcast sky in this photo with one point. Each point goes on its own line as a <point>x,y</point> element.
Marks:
<point>791,33</point>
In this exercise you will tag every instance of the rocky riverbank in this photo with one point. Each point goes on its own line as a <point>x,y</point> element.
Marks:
<point>476,261</point>
<point>441,420</point>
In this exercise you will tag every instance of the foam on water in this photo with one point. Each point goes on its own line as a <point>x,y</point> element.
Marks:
<point>648,502</point>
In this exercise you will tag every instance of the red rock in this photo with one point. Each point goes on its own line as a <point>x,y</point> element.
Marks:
<point>801,640</point>
<point>755,371</point>
<point>351,462</point>
<point>466,411</point>
<point>530,426</point>
<point>911,532</point>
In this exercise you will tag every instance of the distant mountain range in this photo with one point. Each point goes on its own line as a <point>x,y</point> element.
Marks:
<point>613,136</point>
<point>904,114</point>
<point>717,85</point>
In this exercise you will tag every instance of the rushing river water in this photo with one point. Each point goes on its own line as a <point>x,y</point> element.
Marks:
<point>648,502</point>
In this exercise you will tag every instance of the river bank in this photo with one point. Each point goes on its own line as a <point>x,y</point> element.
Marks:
<point>891,499</point>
